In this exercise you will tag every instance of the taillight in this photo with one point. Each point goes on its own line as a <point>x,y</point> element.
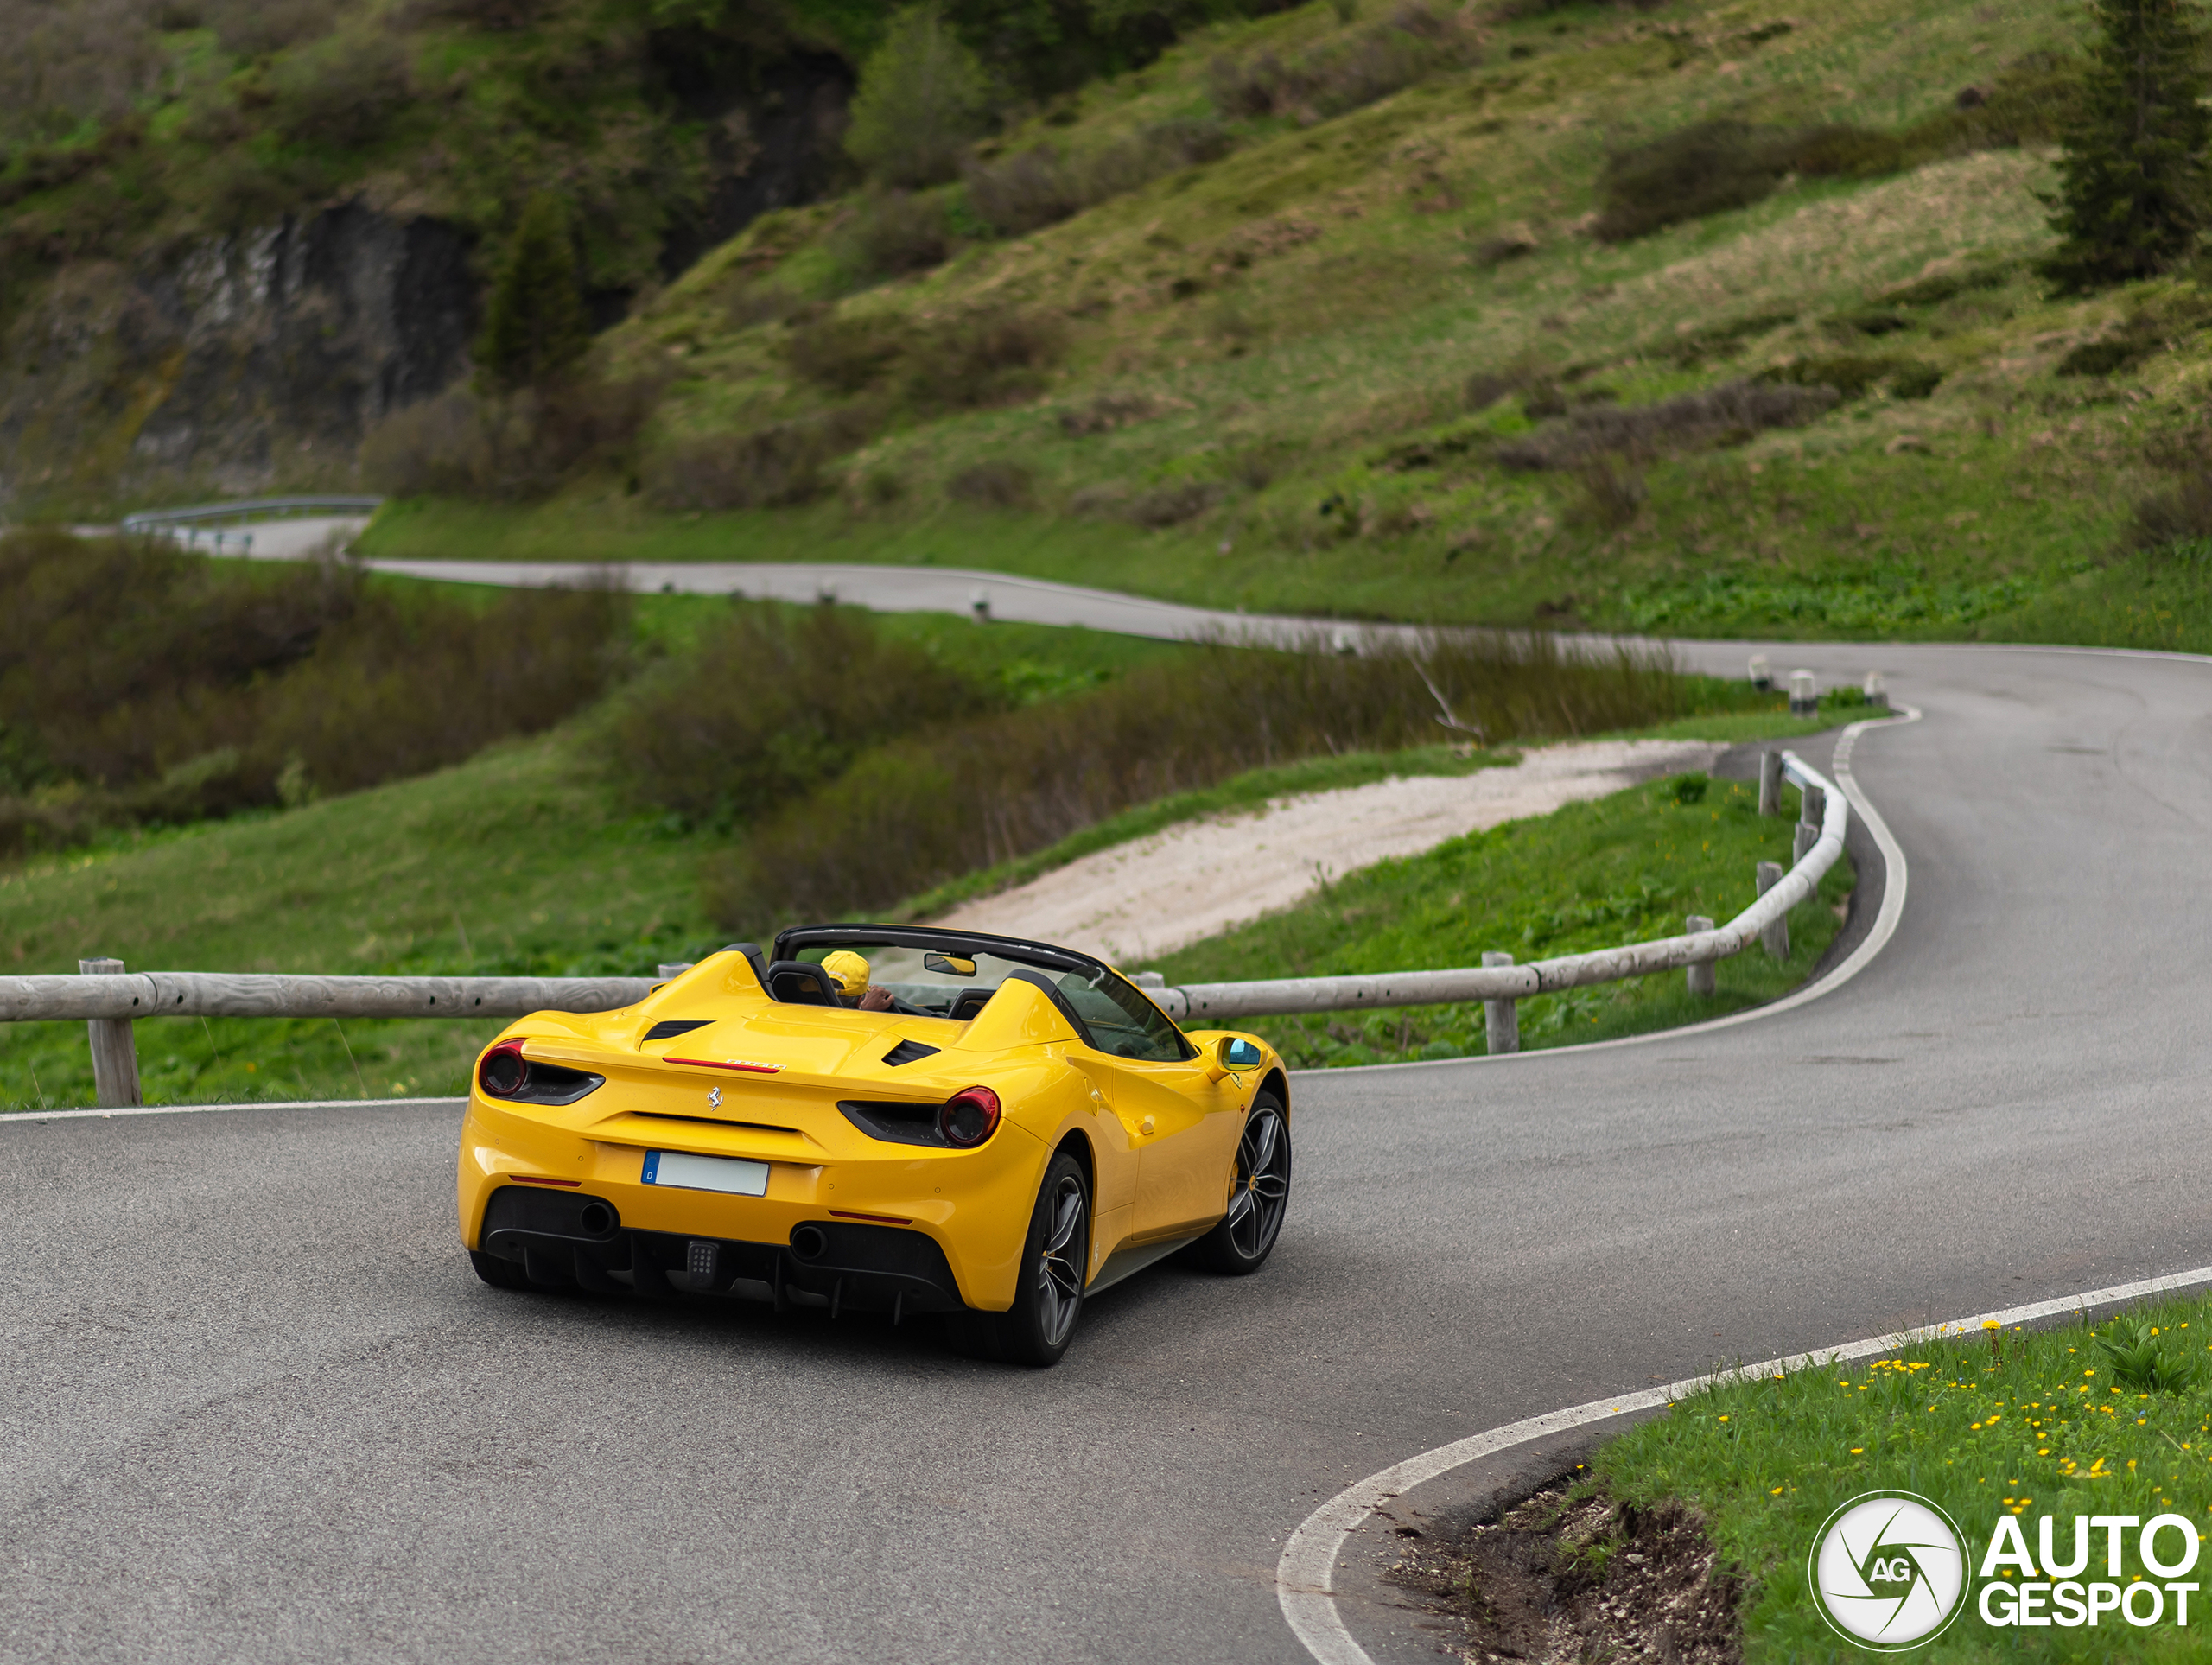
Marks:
<point>505,1071</point>
<point>968,1117</point>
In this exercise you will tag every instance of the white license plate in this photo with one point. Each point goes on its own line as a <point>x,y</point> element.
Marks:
<point>726,1174</point>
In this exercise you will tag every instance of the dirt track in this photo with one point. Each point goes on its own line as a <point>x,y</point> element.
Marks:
<point>1151,896</point>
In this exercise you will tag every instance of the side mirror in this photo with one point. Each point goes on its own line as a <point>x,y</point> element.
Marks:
<point>949,965</point>
<point>1236,1053</point>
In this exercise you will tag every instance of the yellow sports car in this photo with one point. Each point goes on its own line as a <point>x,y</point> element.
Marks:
<point>877,1117</point>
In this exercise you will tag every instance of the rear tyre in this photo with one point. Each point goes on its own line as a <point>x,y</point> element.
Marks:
<point>1259,1195</point>
<point>500,1274</point>
<point>1055,1265</point>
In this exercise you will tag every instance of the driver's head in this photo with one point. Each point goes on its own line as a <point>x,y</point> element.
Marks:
<point>848,972</point>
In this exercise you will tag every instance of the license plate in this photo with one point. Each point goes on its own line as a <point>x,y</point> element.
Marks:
<point>726,1174</point>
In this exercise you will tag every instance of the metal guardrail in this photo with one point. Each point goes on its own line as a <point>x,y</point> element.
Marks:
<point>242,509</point>
<point>110,1000</point>
<point>1291,995</point>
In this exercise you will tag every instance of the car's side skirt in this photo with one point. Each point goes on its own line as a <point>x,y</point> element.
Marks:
<point>1125,1262</point>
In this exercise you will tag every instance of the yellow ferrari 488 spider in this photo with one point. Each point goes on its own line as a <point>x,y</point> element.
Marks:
<point>876,1117</point>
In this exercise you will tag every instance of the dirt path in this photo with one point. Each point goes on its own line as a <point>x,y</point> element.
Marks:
<point>1153,895</point>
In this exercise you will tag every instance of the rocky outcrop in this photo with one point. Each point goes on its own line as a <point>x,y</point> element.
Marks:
<point>238,364</point>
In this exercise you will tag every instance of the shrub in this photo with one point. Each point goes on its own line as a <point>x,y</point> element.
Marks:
<point>1040,187</point>
<point>139,683</point>
<point>1726,414</point>
<point>774,467</point>
<point>1850,374</point>
<point>768,703</point>
<point>922,98</point>
<point>2179,513</point>
<point>342,93</point>
<point>983,358</point>
<point>893,233</point>
<point>846,353</point>
<point>1347,74</point>
<point>1001,484</point>
<point>534,324</point>
<point>507,447</point>
<point>918,811</point>
<point>1705,170</point>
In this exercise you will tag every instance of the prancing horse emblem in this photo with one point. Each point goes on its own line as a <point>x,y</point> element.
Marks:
<point>714,1096</point>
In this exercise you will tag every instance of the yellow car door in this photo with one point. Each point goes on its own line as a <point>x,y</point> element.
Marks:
<point>1182,1123</point>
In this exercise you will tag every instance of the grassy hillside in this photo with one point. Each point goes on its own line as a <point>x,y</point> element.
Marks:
<point>1305,374</point>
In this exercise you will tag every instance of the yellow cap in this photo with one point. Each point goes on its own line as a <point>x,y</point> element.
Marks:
<point>848,970</point>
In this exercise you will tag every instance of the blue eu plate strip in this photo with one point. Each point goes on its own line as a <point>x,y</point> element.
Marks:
<point>652,1165</point>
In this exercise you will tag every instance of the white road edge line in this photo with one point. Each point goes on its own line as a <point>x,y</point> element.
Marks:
<point>1304,1575</point>
<point>241,1104</point>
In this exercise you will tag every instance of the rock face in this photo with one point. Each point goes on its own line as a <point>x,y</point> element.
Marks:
<point>239,364</point>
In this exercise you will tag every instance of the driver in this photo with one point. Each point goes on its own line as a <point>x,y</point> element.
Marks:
<point>849,971</point>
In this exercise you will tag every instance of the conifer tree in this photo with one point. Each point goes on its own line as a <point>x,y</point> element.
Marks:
<point>2132,197</point>
<point>534,328</point>
<point>923,96</point>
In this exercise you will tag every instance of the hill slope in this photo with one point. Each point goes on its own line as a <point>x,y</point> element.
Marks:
<point>1359,362</point>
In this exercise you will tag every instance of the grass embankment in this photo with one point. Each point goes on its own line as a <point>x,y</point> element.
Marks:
<point>516,863</point>
<point>1624,868</point>
<point>2054,1424</point>
<point>1263,397</point>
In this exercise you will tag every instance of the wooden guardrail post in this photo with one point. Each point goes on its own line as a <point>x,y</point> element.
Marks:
<point>1769,783</point>
<point>115,1053</point>
<point>1776,937</point>
<point>1813,807</point>
<point>1501,1019</point>
<point>1704,978</point>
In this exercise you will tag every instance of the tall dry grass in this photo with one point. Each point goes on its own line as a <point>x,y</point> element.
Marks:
<point>918,811</point>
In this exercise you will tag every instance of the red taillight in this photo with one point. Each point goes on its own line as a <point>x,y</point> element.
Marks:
<point>503,1071</point>
<point>968,1117</point>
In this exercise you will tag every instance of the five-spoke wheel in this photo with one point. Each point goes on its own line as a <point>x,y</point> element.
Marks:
<point>1259,1193</point>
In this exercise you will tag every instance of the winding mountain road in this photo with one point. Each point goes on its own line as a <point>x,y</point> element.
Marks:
<point>257,1408</point>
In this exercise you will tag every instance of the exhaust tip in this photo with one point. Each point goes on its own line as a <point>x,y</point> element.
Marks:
<point>809,1243</point>
<point>596,1218</point>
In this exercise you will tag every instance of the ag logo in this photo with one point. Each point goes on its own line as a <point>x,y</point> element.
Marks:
<point>1888,1571</point>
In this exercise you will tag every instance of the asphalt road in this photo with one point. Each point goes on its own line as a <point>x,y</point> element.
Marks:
<point>257,1408</point>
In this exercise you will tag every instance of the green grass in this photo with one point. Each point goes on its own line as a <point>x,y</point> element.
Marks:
<point>513,864</point>
<point>2043,1428</point>
<point>1629,868</point>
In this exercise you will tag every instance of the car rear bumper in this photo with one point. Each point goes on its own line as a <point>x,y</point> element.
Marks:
<point>569,1239</point>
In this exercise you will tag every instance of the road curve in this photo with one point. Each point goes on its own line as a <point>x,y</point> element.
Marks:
<point>259,1408</point>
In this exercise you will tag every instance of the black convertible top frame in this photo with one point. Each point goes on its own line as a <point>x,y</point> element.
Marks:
<point>1043,956</point>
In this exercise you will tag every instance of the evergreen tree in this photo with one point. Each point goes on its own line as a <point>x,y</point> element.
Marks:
<point>534,328</point>
<point>923,96</point>
<point>2131,196</point>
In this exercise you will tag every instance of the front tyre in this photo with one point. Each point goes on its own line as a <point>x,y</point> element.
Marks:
<point>1259,1194</point>
<point>1055,1265</point>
